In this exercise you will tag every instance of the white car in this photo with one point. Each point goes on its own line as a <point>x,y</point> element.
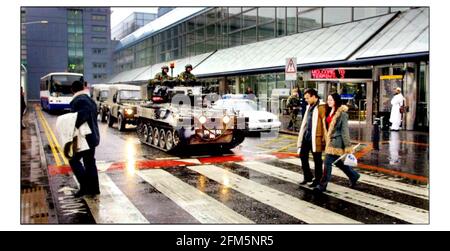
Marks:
<point>259,121</point>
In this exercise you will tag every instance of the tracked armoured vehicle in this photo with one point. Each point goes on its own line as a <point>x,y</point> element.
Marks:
<point>176,118</point>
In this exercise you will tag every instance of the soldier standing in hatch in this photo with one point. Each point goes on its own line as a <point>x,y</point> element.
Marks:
<point>186,77</point>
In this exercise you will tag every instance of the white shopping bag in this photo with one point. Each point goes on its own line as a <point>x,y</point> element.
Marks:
<point>349,159</point>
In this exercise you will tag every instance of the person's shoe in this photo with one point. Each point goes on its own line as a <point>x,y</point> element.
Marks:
<point>314,184</point>
<point>305,181</point>
<point>79,194</point>
<point>353,182</point>
<point>318,189</point>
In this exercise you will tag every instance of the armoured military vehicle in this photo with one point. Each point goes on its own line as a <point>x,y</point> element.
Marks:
<point>121,104</point>
<point>100,95</point>
<point>176,119</point>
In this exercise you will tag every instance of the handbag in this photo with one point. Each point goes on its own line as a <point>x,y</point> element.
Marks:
<point>404,108</point>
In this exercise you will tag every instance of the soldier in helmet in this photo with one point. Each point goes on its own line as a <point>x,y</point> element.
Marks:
<point>293,105</point>
<point>163,75</point>
<point>158,80</point>
<point>186,77</point>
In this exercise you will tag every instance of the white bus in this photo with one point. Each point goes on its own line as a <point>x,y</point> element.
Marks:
<point>56,93</point>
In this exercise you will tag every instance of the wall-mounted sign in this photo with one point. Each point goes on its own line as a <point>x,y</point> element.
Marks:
<point>291,69</point>
<point>391,77</point>
<point>340,73</point>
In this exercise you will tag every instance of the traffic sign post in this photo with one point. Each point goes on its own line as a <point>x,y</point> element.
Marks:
<point>291,69</point>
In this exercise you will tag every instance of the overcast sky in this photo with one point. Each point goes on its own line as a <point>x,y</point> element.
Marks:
<point>118,14</point>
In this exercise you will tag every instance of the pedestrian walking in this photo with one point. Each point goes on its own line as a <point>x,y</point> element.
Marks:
<point>293,105</point>
<point>311,137</point>
<point>23,107</point>
<point>396,114</point>
<point>337,142</point>
<point>86,110</point>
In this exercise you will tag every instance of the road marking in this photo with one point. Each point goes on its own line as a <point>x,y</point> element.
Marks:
<point>286,147</point>
<point>286,203</point>
<point>375,203</point>
<point>58,147</point>
<point>408,189</point>
<point>112,206</point>
<point>198,204</point>
<point>52,147</point>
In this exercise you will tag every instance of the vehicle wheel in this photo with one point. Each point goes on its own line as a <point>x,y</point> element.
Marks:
<point>110,119</point>
<point>121,123</point>
<point>169,140</point>
<point>162,138</point>
<point>155,136</point>
<point>149,131</point>
<point>176,138</point>
<point>103,116</point>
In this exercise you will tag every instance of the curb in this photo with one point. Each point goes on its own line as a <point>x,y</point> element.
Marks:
<point>52,211</point>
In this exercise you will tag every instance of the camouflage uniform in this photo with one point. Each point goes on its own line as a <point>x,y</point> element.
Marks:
<point>187,76</point>
<point>157,80</point>
<point>293,104</point>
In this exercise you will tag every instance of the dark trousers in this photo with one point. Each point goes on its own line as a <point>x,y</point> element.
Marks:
<point>329,159</point>
<point>87,175</point>
<point>304,157</point>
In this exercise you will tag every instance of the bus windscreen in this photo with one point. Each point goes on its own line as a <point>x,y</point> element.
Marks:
<point>62,84</point>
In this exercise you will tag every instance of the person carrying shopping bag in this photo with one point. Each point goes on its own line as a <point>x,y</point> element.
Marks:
<point>337,142</point>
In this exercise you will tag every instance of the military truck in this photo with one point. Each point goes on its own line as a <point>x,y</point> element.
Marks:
<point>121,105</point>
<point>100,95</point>
<point>175,119</point>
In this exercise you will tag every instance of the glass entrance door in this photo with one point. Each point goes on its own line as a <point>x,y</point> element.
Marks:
<point>353,95</point>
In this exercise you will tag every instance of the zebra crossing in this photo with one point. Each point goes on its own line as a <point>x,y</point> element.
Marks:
<point>251,192</point>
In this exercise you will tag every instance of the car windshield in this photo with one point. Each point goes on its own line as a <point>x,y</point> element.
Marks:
<point>103,95</point>
<point>62,84</point>
<point>130,95</point>
<point>238,105</point>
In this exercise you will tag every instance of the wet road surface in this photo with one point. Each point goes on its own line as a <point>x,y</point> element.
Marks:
<point>255,183</point>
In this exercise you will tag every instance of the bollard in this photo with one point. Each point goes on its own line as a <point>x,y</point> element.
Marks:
<point>376,134</point>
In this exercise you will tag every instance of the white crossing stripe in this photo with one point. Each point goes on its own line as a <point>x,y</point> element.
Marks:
<point>286,203</point>
<point>376,203</point>
<point>201,206</point>
<point>112,206</point>
<point>416,191</point>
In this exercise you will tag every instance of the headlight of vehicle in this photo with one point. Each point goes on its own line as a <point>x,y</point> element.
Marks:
<point>129,111</point>
<point>226,119</point>
<point>202,119</point>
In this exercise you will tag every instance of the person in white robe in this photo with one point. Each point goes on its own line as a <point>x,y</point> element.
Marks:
<point>396,115</point>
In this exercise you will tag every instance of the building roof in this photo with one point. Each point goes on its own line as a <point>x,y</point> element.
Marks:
<point>322,45</point>
<point>173,17</point>
<point>151,71</point>
<point>393,35</point>
<point>407,33</point>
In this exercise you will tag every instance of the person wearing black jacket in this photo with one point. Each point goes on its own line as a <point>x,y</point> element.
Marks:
<point>86,108</point>
<point>23,107</point>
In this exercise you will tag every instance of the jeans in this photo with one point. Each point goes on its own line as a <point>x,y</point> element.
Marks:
<point>87,175</point>
<point>329,159</point>
<point>304,157</point>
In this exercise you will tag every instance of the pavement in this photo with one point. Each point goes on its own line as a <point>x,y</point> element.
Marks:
<point>257,180</point>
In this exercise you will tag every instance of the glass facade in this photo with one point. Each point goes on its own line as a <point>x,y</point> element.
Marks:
<point>75,40</point>
<point>23,39</point>
<point>362,13</point>
<point>133,22</point>
<point>309,19</point>
<point>333,16</point>
<point>224,27</point>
